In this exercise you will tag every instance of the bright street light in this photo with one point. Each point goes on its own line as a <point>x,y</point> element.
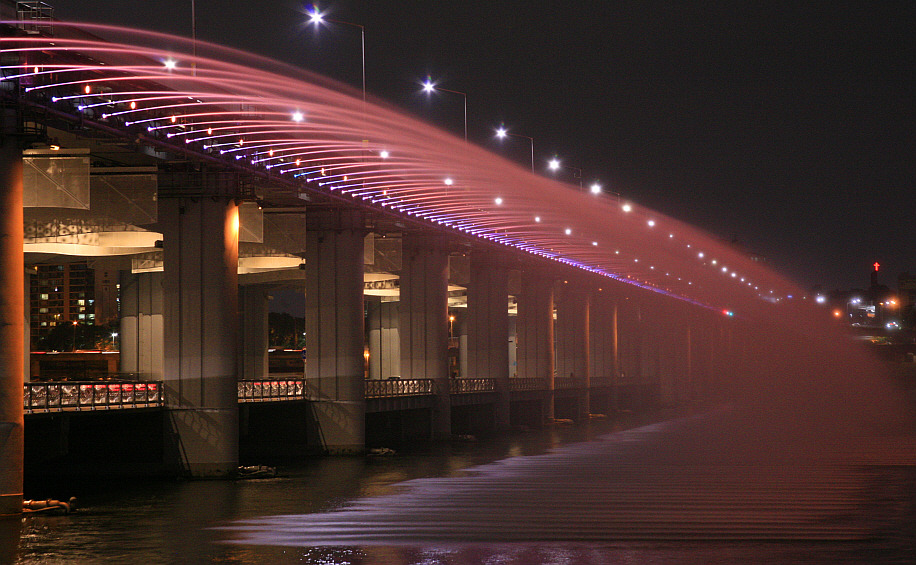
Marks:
<point>317,18</point>
<point>555,165</point>
<point>502,133</point>
<point>429,86</point>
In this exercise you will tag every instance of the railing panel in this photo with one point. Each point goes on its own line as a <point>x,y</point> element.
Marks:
<point>467,386</point>
<point>567,383</point>
<point>271,389</point>
<point>58,396</point>
<point>378,388</point>
<point>527,383</point>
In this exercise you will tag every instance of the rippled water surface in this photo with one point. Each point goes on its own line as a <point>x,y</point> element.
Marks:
<point>701,489</point>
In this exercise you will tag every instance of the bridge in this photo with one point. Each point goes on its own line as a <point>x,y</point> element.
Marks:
<point>208,178</point>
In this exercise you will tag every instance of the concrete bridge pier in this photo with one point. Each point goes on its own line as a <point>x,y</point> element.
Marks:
<point>423,327</point>
<point>603,339</point>
<point>488,329</point>
<point>572,343</point>
<point>334,328</point>
<point>142,331</point>
<point>200,317</point>
<point>384,344</point>
<point>12,312</point>
<point>253,332</point>
<point>535,333</point>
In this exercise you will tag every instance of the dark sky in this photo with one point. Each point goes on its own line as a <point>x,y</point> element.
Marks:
<point>788,126</point>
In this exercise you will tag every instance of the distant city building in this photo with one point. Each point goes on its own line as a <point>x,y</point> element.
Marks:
<point>71,292</point>
<point>906,289</point>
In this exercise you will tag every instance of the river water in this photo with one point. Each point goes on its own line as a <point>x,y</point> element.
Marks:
<point>703,488</point>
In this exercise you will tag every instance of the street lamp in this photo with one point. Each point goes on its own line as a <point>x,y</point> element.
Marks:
<point>429,86</point>
<point>317,18</point>
<point>555,165</point>
<point>502,132</point>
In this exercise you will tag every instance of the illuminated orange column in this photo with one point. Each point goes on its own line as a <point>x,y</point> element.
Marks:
<point>200,318</point>
<point>12,311</point>
<point>603,340</point>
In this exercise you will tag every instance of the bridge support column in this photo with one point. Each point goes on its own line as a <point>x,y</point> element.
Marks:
<point>253,361</point>
<point>603,340</point>
<point>629,353</point>
<point>535,333</point>
<point>142,336</point>
<point>461,323</point>
<point>27,326</point>
<point>488,335</point>
<point>384,345</point>
<point>573,342</point>
<point>424,320</point>
<point>334,327</point>
<point>12,306</point>
<point>675,357</point>
<point>200,289</point>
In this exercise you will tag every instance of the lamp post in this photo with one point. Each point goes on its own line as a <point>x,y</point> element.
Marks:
<point>555,165</point>
<point>429,86</point>
<point>318,18</point>
<point>502,132</point>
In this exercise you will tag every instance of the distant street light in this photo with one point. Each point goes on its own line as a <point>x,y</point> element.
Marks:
<point>502,133</point>
<point>429,86</point>
<point>317,18</point>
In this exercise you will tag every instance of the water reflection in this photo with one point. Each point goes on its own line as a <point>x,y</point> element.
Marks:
<point>714,482</point>
<point>661,493</point>
<point>172,522</point>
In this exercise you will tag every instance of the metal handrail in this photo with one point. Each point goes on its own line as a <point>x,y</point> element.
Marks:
<point>387,388</point>
<point>466,386</point>
<point>527,383</point>
<point>76,395</point>
<point>270,389</point>
<point>563,383</point>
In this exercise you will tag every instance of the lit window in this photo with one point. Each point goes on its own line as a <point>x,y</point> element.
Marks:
<point>44,297</point>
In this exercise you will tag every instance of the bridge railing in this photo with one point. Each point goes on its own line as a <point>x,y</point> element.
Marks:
<point>75,395</point>
<point>527,383</point>
<point>466,386</point>
<point>258,390</point>
<point>562,383</point>
<point>383,388</point>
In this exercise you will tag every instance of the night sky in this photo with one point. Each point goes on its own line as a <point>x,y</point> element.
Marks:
<point>788,126</point>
